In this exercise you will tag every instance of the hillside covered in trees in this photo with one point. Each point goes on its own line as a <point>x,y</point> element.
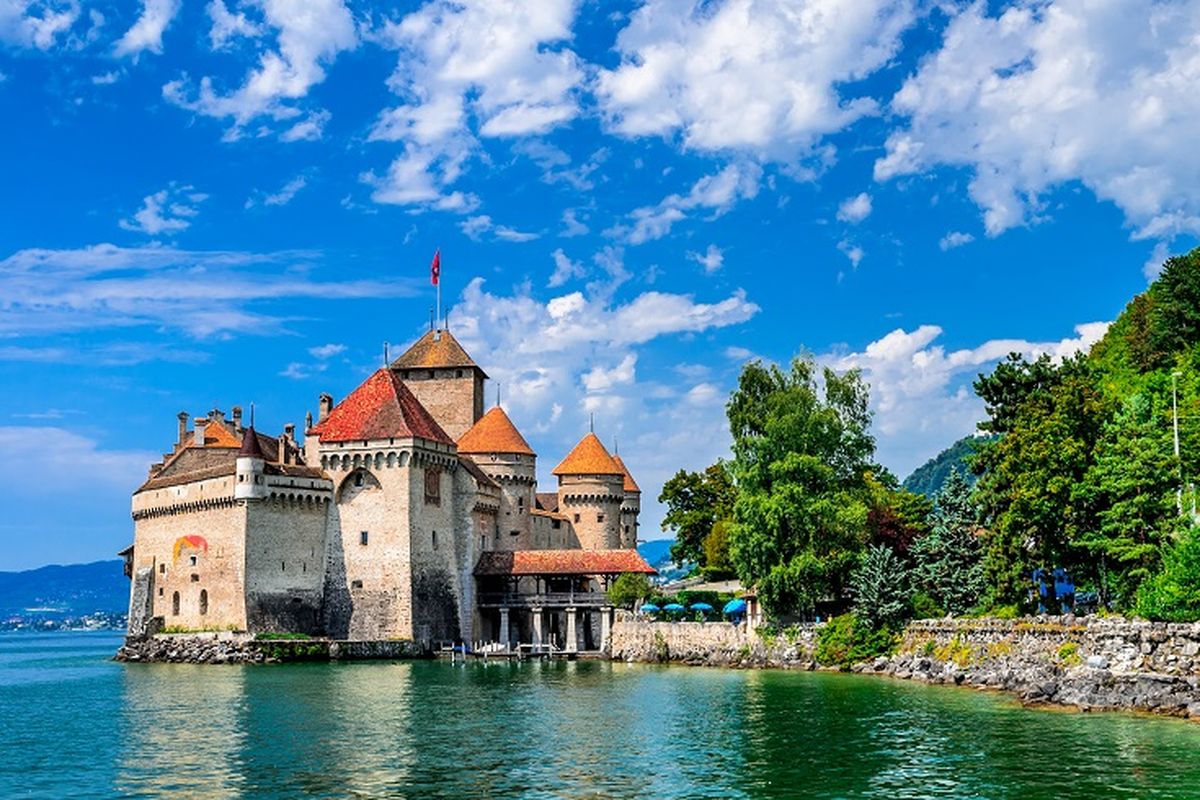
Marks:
<point>1077,469</point>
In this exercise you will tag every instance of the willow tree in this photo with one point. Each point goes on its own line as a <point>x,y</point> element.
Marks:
<point>803,463</point>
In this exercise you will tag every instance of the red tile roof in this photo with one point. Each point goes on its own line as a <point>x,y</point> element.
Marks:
<point>588,458</point>
<point>630,483</point>
<point>381,408</point>
<point>494,433</point>
<point>435,349</point>
<point>562,562</point>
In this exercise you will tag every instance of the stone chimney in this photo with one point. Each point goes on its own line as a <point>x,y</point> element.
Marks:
<point>237,419</point>
<point>307,422</point>
<point>183,418</point>
<point>201,424</point>
<point>326,406</point>
<point>283,448</point>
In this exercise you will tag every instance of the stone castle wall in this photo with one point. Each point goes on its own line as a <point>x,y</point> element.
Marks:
<point>593,505</point>
<point>453,396</point>
<point>1089,663</point>
<point>285,563</point>
<point>199,522</point>
<point>434,547</point>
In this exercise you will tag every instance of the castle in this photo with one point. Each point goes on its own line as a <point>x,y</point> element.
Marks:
<point>405,513</point>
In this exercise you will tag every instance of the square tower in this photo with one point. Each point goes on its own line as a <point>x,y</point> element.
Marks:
<point>447,381</point>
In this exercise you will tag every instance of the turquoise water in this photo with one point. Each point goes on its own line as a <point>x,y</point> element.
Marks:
<point>77,725</point>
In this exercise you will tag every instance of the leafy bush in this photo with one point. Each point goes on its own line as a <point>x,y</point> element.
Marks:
<point>1173,593</point>
<point>925,607</point>
<point>1068,654</point>
<point>845,641</point>
<point>880,587</point>
<point>628,589</point>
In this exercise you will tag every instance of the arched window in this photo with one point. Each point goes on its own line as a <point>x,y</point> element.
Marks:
<point>203,601</point>
<point>175,604</point>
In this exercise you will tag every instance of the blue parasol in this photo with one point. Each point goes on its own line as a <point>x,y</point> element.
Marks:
<point>649,608</point>
<point>673,607</point>
<point>735,607</point>
<point>701,607</point>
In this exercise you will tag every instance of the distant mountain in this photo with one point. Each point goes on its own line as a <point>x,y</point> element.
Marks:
<point>73,590</point>
<point>928,478</point>
<point>657,552</point>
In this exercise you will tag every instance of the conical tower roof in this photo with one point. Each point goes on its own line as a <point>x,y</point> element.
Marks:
<point>381,408</point>
<point>630,483</point>
<point>250,444</point>
<point>494,433</point>
<point>588,458</point>
<point>436,349</point>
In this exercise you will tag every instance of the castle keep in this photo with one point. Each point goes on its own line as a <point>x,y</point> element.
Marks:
<point>405,513</point>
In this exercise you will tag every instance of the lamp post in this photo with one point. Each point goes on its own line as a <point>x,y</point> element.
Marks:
<point>1175,425</point>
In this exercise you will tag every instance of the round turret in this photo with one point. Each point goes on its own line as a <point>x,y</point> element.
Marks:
<point>590,493</point>
<point>496,446</point>
<point>251,469</point>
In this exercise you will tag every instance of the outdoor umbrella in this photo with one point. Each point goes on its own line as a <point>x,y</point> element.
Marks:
<point>649,608</point>
<point>735,607</point>
<point>701,607</point>
<point>673,607</point>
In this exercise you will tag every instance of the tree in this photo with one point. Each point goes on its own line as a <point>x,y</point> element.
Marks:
<point>628,589</point>
<point>695,502</point>
<point>881,588</point>
<point>716,551</point>
<point>949,558</point>
<point>1131,489</point>
<point>1173,594</point>
<point>803,457</point>
<point>897,518</point>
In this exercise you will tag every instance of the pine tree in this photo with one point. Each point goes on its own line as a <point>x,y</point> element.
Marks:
<point>881,588</point>
<point>949,559</point>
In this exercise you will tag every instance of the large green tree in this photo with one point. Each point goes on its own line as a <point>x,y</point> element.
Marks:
<point>803,462</point>
<point>949,558</point>
<point>696,501</point>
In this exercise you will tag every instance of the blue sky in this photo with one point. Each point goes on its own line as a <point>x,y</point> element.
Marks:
<point>224,203</point>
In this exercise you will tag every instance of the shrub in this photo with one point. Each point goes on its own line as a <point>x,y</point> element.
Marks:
<point>1173,593</point>
<point>845,641</point>
<point>1003,612</point>
<point>925,607</point>
<point>628,589</point>
<point>1068,654</point>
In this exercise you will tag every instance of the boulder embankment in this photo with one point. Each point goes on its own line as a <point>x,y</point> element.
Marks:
<point>1090,663</point>
<point>241,648</point>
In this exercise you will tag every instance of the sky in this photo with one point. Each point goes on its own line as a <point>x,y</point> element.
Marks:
<point>214,204</point>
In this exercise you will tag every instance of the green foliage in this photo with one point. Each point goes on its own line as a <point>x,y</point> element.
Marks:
<point>1068,654</point>
<point>925,607</point>
<point>695,502</point>
<point>845,641</point>
<point>896,519</point>
<point>716,551</point>
<point>928,478</point>
<point>628,588</point>
<point>1173,593</point>
<point>881,588</point>
<point>949,559</point>
<point>803,457</point>
<point>268,636</point>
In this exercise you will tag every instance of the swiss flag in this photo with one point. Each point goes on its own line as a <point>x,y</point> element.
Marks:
<point>435,269</point>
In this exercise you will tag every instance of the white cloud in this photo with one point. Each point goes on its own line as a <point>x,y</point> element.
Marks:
<point>147,31</point>
<point>36,23</point>
<point>921,392</point>
<point>309,38</point>
<point>228,25</point>
<point>202,293</point>
<point>475,227</point>
<point>106,78</point>
<point>955,239</point>
<point>760,76</point>
<point>711,259</point>
<point>571,224</point>
<point>327,351</point>
<point>599,379</point>
<point>500,65</point>
<point>855,209</point>
<point>169,210</point>
<point>285,195</point>
<point>852,252</point>
<point>29,453</point>
<point>719,192</point>
<point>564,269</point>
<point>1052,92</point>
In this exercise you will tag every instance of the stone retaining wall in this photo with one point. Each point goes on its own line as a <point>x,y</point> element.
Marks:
<point>1089,663</point>
<point>241,648</point>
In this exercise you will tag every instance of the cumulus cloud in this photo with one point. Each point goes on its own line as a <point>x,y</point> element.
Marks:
<point>572,226</point>
<point>490,69</point>
<point>36,24</point>
<point>1043,94</point>
<point>711,259</point>
<point>921,392</point>
<point>564,269</point>
<point>147,31</point>
<point>717,193</point>
<point>478,226</point>
<point>855,209</point>
<point>285,195</point>
<point>955,239</point>
<point>852,252</point>
<point>765,77</point>
<point>201,293</point>
<point>308,39</point>
<point>169,210</point>
<point>228,25</point>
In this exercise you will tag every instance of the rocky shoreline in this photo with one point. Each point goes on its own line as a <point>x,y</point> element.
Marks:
<point>240,648</point>
<point>1090,664</point>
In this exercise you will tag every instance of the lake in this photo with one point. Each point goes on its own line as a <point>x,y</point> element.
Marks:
<point>75,724</point>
